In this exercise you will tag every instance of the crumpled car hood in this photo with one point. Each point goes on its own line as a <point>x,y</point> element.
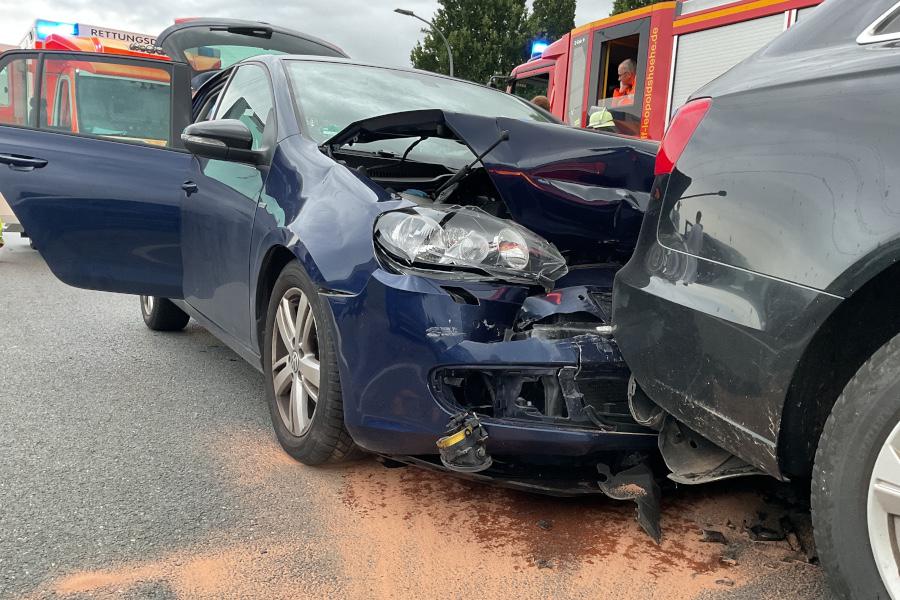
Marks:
<point>583,190</point>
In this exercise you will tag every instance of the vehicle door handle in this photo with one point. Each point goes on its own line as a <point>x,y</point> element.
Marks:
<point>190,187</point>
<point>22,163</point>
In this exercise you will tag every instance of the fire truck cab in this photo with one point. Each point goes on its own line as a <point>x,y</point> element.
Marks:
<point>539,76</point>
<point>677,47</point>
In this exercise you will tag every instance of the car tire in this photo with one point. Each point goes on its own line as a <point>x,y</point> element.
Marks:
<point>318,435</point>
<point>161,314</point>
<point>852,449</point>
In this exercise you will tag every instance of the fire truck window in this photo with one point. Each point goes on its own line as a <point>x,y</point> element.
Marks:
<point>248,98</point>
<point>529,87</point>
<point>111,100</point>
<point>618,87</point>
<point>619,60</point>
<point>17,92</point>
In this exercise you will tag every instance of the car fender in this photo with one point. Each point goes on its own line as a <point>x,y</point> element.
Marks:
<point>323,214</point>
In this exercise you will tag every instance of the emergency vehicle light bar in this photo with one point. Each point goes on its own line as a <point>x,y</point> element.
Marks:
<point>44,28</point>
<point>538,47</point>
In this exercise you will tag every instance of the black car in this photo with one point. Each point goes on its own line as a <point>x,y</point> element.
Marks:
<point>759,313</point>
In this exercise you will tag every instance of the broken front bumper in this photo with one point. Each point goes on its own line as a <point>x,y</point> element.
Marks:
<point>544,381</point>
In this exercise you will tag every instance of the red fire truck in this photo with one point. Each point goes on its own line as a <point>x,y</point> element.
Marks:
<point>677,46</point>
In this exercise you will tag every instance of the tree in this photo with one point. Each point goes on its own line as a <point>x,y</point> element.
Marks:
<point>620,6</point>
<point>487,38</point>
<point>550,20</point>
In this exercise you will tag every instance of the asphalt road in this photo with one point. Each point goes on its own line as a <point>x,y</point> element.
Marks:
<point>136,464</point>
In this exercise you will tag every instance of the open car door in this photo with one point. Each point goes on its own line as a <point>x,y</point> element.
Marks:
<point>91,163</point>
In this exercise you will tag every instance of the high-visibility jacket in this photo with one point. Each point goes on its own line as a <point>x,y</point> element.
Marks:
<point>623,98</point>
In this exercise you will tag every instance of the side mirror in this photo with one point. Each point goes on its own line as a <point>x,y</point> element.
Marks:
<point>223,139</point>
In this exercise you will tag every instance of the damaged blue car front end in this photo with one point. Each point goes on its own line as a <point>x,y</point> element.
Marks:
<point>536,362</point>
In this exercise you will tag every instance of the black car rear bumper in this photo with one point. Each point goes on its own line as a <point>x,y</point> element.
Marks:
<point>715,346</point>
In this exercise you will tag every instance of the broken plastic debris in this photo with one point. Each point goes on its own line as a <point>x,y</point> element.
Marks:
<point>638,484</point>
<point>713,537</point>
<point>759,533</point>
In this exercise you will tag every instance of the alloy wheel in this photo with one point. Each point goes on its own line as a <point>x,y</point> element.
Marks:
<point>295,361</point>
<point>883,513</point>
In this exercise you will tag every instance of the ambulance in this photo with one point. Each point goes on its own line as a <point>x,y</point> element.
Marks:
<point>677,47</point>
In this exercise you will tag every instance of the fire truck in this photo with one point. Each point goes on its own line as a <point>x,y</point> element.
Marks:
<point>677,47</point>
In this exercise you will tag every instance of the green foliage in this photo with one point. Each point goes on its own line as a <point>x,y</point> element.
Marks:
<point>490,37</point>
<point>486,37</point>
<point>620,6</point>
<point>551,19</point>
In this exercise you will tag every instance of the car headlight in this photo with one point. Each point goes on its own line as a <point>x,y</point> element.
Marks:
<point>466,242</point>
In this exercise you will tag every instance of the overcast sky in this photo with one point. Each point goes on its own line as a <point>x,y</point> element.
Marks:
<point>366,29</point>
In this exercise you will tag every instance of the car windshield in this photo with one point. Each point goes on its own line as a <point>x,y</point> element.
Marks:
<point>334,95</point>
<point>122,107</point>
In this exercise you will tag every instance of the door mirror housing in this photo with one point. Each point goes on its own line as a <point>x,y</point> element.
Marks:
<point>222,139</point>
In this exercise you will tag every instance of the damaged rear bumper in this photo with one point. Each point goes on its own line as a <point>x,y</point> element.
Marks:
<point>544,381</point>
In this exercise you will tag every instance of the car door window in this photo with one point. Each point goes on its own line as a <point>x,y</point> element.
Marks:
<point>17,90</point>
<point>205,112</point>
<point>120,101</point>
<point>62,110</point>
<point>4,87</point>
<point>248,98</point>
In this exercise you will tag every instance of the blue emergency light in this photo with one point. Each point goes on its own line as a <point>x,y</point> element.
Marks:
<point>538,47</point>
<point>44,28</point>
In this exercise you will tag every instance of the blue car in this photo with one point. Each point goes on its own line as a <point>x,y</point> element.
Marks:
<point>421,266</point>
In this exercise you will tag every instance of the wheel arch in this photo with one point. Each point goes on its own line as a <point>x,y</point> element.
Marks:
<point>276,258</point>
<point>862,323</point>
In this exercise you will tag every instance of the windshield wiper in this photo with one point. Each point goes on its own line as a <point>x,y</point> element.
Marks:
<point>411,146</point>
<point>462,173</point>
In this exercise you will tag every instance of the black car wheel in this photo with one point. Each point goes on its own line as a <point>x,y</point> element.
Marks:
<point>856,482</point>
<point>161,314</point>
<point>302,380</point>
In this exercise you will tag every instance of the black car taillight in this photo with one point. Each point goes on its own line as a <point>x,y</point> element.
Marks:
<point>679,134</point>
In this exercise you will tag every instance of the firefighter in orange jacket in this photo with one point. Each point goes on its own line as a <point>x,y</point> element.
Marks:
<point>624,94</point>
